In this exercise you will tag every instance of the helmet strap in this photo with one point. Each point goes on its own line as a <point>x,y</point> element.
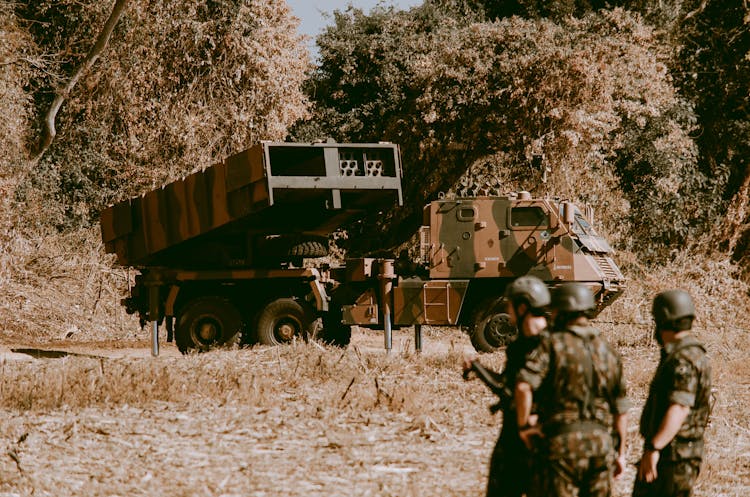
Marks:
<point>520,317</point>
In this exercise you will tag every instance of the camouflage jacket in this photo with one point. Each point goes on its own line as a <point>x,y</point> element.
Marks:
<point>515,355</point>
<point>576,376</point>
<point>682,377</point>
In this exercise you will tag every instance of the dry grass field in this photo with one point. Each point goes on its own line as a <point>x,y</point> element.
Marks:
<point>107,419</point>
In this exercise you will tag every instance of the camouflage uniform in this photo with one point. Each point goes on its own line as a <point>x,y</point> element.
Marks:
<point>511,462</point>
<point>682,377</point>
<point>579,387</point>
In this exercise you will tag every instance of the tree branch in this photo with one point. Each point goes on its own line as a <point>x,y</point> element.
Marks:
<point>697,11</point>
<point>49,132</point>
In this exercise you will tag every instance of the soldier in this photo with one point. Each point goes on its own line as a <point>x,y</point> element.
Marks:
<point>510,464</point>
<point>677,409</point>
<point>576,378</point>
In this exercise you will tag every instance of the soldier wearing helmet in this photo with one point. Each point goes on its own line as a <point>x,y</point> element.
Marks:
<point>677,409</point>
<point>576,380</point>
<point>510,464</point>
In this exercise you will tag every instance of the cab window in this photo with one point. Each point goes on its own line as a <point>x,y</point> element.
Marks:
<point>582,227</point>
<point>528,217</point>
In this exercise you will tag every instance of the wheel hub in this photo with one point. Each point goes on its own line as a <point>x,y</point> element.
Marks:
<point>207,332</point>
<point>499,330</point>
<point>285,331</point>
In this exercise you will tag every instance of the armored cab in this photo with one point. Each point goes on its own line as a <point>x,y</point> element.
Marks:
<point>512,236</point>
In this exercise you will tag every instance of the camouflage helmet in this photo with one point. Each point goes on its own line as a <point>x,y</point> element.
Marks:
<point>573,297</point>
<point>671,306</point>
<point>531,289</point>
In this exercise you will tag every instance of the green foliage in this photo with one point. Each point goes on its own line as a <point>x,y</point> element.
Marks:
<point>16,59</point>
<point>712,68</point>
<point>672,200</point>
<point>71,182</point>
<point>364,60</point>
<point>553,9</point>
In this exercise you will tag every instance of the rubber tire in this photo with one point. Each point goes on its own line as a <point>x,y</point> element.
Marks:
<point>491,329</point>
<point>334,332</point>
<point>282,312</point>
<point>217,312</point>
<point>272,251</point>
<point>309,249</point>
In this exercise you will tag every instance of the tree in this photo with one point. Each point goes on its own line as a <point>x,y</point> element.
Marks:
<point>16,63</point>
<point>535,9</point>
<point>712,68</point>
<point>181,85</point>
<point>510,99</point>
<point>17,60</point>
<point>49,131</point>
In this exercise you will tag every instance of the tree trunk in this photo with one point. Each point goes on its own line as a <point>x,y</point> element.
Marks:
<point>49,131</point>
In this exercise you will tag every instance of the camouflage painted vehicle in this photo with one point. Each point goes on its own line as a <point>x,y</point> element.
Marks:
<point>256,208</point>
<point>221,252</point>
<point>472,247</point>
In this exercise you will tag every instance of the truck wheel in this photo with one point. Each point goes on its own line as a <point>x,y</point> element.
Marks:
<point>334,332</point>
<point>491,330</point>
<point>282,320</point>
<point>207,322</point>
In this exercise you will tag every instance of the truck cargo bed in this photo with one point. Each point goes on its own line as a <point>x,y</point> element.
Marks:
<point>272,188</point>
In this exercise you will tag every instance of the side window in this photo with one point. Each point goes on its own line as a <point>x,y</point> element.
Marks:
<point>528,218</point>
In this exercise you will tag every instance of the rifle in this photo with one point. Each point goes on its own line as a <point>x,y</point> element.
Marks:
<point>494,381</point>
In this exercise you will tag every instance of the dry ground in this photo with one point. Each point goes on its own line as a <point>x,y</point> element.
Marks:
<point>296,420</point>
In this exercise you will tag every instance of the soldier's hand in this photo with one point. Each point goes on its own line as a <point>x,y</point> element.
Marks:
<point>620,464</point>
<point>528,434</point>
<point>647,468</point>
<point>467,367</point>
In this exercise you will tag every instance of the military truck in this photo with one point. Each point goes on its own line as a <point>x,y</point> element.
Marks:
<point>237,251</point>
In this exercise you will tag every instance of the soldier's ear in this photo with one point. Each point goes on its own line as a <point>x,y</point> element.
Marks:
<point>522,309</point>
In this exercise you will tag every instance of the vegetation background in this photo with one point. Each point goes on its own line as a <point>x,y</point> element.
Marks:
<point>640,107</point>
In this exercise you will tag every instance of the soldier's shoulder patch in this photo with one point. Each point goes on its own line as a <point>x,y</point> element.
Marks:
<point>683,368</point>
